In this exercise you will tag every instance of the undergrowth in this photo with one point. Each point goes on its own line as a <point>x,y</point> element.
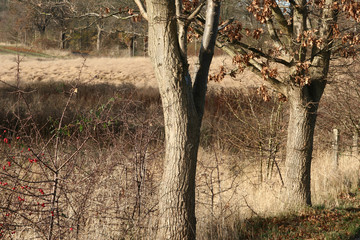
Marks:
<point>102,145</point>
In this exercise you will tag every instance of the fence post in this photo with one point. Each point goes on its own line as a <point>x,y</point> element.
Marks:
<point>355,149</point>
<point>336,148</point>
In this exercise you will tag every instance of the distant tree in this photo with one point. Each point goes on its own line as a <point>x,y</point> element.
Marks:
<point>110,17</point>
<point>183,105</point>
<point>4,5</point>
<point>39,15</point>
<point>299,37</point>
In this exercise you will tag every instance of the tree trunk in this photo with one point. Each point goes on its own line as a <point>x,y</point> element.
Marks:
<point>183,107</point>
<point>177,190</point>
<point>305,80</point>
<point>42,29</point>
<point>299,150</point>
<point>304,102</point>
<point>131,46</point>
<point>98,38</point>
<point>63,40</point>
<point>182,126</point>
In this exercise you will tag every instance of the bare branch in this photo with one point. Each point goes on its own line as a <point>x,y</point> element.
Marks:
<point>182,29</point>
<point>281,20</point>
<point>206,54</point>
<point>142,9</point>
<point>193,15</point>
<point>262,54</point>
<point>115,15</point>
<point>73,154</point>
<point>226,23</point>
<point>273,34</point>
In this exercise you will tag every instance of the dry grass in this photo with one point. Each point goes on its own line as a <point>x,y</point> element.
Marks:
<point>243,196</point>
<point>108,190</point>
<point>102,70</point>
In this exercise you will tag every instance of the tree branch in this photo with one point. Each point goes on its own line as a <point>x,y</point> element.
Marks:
<point>206,54</point>
<point>142,9</point>
<point>262,54</point>
<point>226,23</point>
<point>274,36</point>
<point>182,30</point>
<point>300,16</point>
<point>281,20</point>
<point>193,15</point>
<point>255,66</point>
<point>93,14</point>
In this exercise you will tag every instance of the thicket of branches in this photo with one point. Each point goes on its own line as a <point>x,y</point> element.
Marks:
<point>98,26</point>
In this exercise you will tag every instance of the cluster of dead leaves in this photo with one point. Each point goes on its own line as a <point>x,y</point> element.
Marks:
<point>351,38</point>
<point>137,18</point>
<point>349,42</point>
<point>188,6</point>
<point>309,38</point>
<point>242,60</point>
<point>268,72</point>
<point>261,9</point>
<point>127,10</point>
<point>302,77</point>
<point>233,32</point>
<point>256,33</point>
<point>192,34</point>
<point>351,8</point>
<point>219,76</point>
<point>347,52</point>
<point>264,93</point>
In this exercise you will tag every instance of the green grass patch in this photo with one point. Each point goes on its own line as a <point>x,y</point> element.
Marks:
<point>315,223</point>
<point>22,51</point>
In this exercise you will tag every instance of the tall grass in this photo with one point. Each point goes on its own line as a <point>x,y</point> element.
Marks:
<point>111,141</point>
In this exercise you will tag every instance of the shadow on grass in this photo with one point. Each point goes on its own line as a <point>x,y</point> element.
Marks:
<point>45,103</point>
<point>315,223</point>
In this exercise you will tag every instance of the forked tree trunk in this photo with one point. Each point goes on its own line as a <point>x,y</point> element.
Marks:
<point>182,126</point>
<point>183,107</point>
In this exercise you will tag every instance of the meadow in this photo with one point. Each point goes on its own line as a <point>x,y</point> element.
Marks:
<point>82,148</point>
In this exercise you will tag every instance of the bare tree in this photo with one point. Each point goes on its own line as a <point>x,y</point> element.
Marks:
<point>183,105</point>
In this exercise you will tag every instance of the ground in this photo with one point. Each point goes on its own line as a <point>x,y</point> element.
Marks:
<point>339,222</point>
<point>137,71</point>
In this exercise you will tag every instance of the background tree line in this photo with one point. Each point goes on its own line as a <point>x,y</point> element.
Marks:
<point>86,26</point>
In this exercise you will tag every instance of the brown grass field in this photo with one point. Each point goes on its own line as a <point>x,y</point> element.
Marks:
<point>110,143</point>
<point>99,70</point>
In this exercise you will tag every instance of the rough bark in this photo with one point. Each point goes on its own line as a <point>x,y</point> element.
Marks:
<point>299,148</point>
<point>304,102</point>
<point>176,199</point>
<point>182,114</point>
